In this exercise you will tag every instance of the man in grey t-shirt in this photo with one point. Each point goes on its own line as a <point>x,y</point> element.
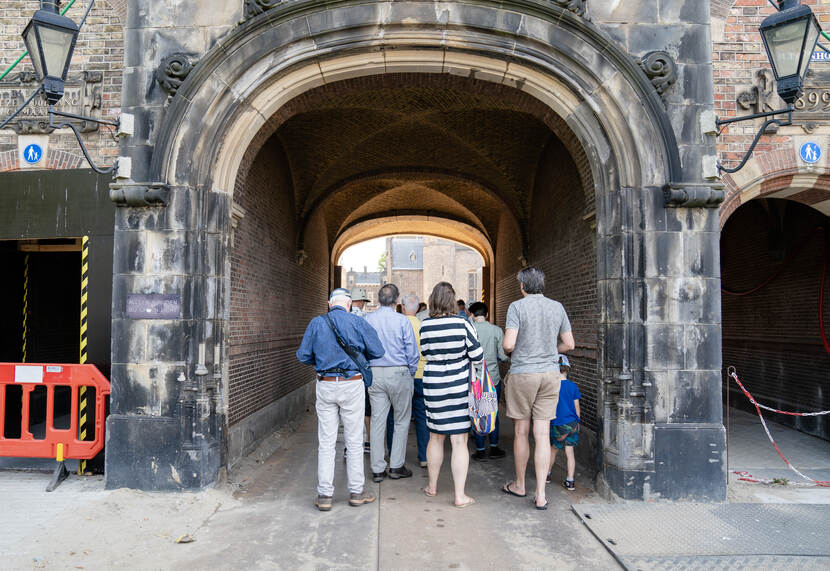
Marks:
<point>537,330</point>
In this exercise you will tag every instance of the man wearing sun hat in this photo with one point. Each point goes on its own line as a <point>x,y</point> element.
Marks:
<point>359,299</point>
<point>339,392</point>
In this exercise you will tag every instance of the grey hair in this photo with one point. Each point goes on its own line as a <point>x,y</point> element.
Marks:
<point>410,302</point>
<point>388,295</point>
<point>533,280</point>
<point>342,300</point>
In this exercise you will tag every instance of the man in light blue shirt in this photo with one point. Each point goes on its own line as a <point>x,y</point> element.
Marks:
<point>392,385</point>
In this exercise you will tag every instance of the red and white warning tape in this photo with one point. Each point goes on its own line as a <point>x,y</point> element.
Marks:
<point>733,373</point>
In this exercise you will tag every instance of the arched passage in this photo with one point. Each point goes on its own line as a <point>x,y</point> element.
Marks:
<point>288,127</point>
<point>774,255</point>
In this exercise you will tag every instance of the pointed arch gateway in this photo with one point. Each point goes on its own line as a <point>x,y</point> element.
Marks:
<point>251,101</point>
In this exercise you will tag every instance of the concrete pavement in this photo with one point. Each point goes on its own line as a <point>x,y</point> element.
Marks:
<point>264,518</point>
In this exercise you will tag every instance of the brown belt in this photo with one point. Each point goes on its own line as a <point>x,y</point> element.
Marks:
<point>357,377</point>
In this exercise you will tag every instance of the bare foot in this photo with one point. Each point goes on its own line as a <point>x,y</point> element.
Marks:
<point>429,493</point>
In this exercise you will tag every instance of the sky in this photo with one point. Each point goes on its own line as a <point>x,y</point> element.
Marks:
<point>363,254</point>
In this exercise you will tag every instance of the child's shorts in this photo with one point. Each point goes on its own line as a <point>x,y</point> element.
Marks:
<point>564,434</point>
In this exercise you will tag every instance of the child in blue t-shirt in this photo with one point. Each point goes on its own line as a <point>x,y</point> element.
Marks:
<point>564,429</point>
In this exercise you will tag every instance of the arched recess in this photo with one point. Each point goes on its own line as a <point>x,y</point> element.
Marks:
<point>807,185</point>
<point>234,100</point>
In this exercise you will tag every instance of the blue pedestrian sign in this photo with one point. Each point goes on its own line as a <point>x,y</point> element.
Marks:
<point>810,152</point>
<point>33,153</point>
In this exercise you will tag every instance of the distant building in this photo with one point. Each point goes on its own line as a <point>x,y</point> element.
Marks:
<point>370,281</point>
<point>416,263</point>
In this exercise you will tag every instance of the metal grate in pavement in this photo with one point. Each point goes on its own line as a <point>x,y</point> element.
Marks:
<point>710,536</point>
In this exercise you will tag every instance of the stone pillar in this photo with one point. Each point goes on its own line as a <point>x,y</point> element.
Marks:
<point>660,346</point>
<point>167,421</point>
<point>659,277</point>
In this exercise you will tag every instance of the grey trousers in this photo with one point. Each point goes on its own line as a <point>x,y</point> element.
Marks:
<point>391,386</point>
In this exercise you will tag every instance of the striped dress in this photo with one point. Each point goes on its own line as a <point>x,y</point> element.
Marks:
<point>449,345</point>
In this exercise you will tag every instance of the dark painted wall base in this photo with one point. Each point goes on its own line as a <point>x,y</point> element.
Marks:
<point>690,462</point>
<point>150,456</point>
<point>690,465</point>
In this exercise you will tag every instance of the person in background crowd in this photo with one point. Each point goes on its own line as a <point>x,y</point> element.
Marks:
<point>423,312</point>
<point>410,307</point>
<point>359,299</point>
<point>339,393</point>
<point>462,309</point>
<point>537,330</point>
<point>392,385</point>
<point>564,429</point>
<point>491,337</point>
<point>450,345</point>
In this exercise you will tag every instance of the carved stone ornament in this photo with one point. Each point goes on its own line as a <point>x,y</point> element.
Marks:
<point>693,196</point>
<point>139,194</point>
<point>660,69</point>
<point>256,7</point>
<point>172,72</point>
<point>82,96</point>
<point>575,6</point>
<point>760,96</point>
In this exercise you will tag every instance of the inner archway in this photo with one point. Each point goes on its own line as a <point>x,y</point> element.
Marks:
<point>431,154</point>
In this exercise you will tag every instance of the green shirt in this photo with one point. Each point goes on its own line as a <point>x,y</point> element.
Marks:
<point>491,337</point>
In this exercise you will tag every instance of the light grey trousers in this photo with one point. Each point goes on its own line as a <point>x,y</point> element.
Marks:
<point>340,401</point>
<point>391,386</point>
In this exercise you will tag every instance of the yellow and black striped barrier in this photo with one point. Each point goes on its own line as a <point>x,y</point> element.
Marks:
<point>82,396</point>
<point>25,305</point>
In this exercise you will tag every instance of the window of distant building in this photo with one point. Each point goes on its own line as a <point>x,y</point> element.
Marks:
<point>472,287</point>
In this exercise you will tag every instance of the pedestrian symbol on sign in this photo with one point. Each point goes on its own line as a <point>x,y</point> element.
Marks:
<point>32,154</point>
<point>810,152</point>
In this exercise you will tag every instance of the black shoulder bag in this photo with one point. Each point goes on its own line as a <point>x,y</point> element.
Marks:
<point>359,359</point>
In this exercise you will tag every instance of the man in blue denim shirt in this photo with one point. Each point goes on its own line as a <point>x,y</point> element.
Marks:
<point>339,393</point>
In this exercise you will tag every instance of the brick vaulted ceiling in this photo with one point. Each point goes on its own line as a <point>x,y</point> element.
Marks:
<point>403,143</point>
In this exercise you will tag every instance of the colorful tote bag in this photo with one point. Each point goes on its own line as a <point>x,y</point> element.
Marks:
<point>484,400</point>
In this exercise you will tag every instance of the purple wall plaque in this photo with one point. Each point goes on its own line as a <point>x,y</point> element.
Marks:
<point>154,306</point>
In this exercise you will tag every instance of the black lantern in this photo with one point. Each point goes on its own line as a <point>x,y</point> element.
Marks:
<point>790,37</point>
<point>50,39</point>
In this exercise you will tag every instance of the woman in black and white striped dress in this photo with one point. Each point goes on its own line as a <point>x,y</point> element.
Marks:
<point>449,344</point>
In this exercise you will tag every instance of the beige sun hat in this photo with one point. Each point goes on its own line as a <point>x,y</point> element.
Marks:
<point>359,294</point>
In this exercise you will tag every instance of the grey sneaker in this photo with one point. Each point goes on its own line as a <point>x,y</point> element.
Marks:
<point>363,497</point>
<point>323,503</point>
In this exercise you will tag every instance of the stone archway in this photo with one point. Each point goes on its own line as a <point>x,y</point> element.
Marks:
<point>235,99</point>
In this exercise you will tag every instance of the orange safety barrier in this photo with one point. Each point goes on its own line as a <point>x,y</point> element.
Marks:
<point>55,442</point>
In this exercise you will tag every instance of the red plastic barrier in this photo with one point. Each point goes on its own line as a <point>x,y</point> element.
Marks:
<point>52,375</point>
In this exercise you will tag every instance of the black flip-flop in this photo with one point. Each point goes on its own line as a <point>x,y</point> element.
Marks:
<point>506,489</point>
<point>538,507</point>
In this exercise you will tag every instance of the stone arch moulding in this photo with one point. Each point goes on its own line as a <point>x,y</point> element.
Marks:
<point>544,50</point>
<point>399,224</point>
<point>423,224</point>
<point>807,185</point>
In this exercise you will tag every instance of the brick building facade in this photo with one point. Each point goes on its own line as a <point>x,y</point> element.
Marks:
<point>774,222</point>
<point>562,134</point>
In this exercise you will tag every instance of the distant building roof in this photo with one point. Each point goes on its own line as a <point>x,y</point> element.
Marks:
<point>407,253</point>
<point>365,278</point>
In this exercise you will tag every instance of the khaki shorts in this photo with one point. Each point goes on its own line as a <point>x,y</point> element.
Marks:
<point>532,395</point>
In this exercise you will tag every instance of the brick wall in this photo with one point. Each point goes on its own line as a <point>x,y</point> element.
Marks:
<point>563,245</point>
<point>772,337</point>
<point>272,297</point>
<point>100,48</point>
<point>737,55</point>
<point>508,253</point>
